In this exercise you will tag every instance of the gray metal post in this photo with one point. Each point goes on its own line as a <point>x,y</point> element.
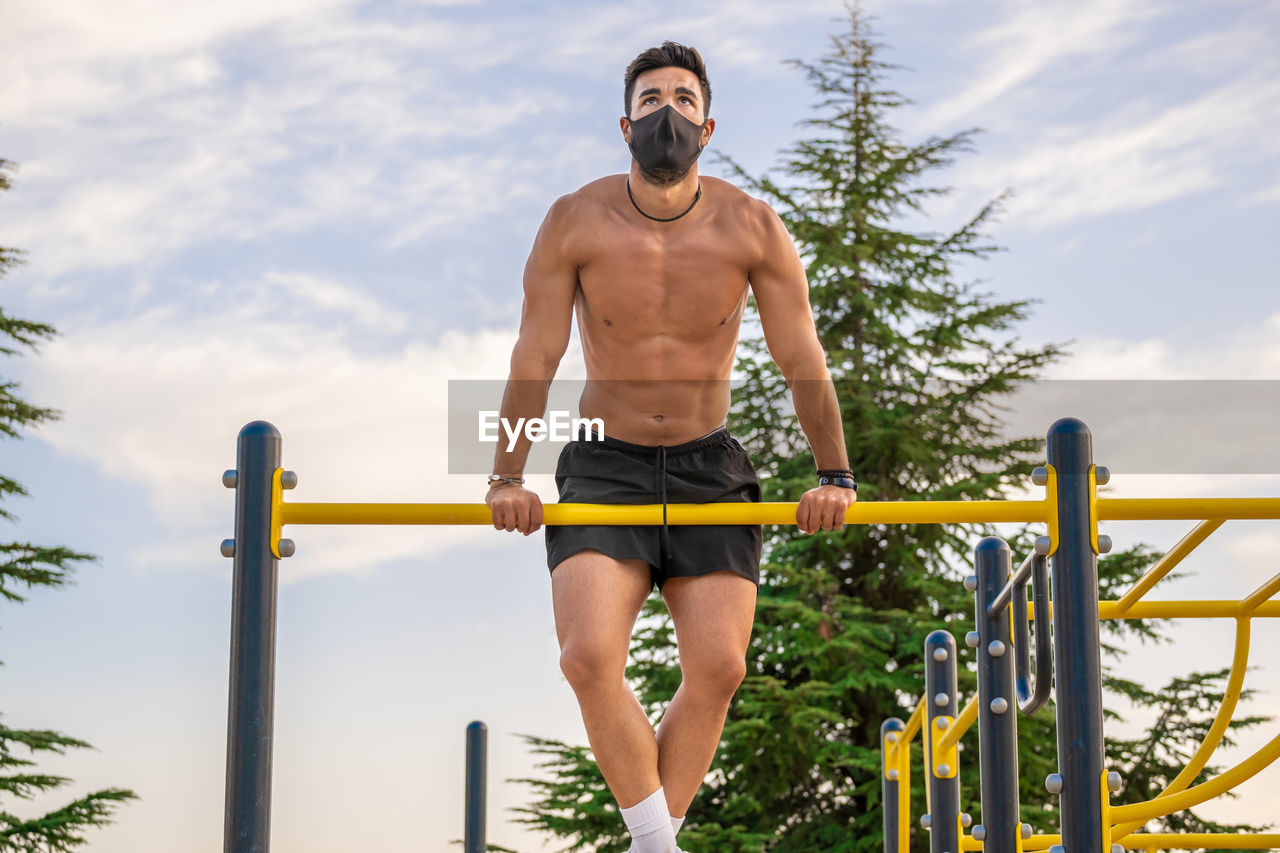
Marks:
<point>997,712</point>
<point>247,826</point>
<point>889,786</point>
<point>474,841</point>
<point>1076,648</point>
<point>941,775</point>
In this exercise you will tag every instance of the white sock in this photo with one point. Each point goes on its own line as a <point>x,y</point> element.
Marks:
<point>676,823</point>
<point>649,823</point>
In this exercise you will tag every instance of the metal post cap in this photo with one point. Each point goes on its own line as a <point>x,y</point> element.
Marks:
<point>892,737</point>
<point>229,478</point>
<point>1053,783</point>
<point>1043,544</point>
<point>996,648</point>
<point>893,774</point>
<point>1057,848</point>
<point>286,547</point>
<point>1026,830</point>
<point>1040,475</point>
<point>1117,848</point>
<point>966,820</point>
<point>979,833</point>
<point>941,699</point>
<point>1113,781</point>
<point>1101,474</point>
<point>288,480</point>
<point>999,705</point>
<point>971,582</point>
<point>944,769</point>
<point>228,547</point>
<point>926,820</point>
<point>942,724</point>
<point>1104,543</point>
<point>972,639</point>
<point>940,654</point>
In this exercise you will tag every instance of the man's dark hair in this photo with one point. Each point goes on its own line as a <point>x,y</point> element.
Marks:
<point>670,55</point>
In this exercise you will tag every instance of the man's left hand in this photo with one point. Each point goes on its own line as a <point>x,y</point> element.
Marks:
<point>823,508</point>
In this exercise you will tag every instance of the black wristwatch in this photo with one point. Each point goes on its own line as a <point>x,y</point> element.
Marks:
<point>836,477</point>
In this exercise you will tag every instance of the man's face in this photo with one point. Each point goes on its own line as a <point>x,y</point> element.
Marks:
<point>674,87</point>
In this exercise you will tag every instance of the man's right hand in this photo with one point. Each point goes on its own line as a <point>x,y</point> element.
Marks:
<point>514,508</point>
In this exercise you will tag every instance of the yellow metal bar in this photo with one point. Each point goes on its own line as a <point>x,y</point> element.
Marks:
<point>964,720</point>
<point>1218,785</point>
<point>1239,665</point>
<point>887,512</point>
<point>1201,841</point>
<point>1185,610</point>
<point>1260,595</point>
<point>1188,509</point>
<point>913,723</point>
<point>1166,563</point>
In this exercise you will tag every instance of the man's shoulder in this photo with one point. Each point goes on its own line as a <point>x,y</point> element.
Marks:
<point>591,198</point>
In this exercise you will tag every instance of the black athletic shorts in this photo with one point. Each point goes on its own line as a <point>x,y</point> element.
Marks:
<point>711,469</point>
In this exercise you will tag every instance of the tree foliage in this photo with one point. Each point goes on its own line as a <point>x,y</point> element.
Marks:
<point>923,361</point>
<point>24,566</point>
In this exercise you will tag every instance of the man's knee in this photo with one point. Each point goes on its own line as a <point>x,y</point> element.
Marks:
<point>588,666</point>
<point>716,676</point>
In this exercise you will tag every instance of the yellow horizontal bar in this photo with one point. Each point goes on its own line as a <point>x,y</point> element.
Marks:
<point>1184,610</point>
<point>1201,840</point>
<point>886,512</point>
<point>1188,509</point>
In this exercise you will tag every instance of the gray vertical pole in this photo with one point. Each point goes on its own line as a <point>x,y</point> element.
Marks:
<point>943,779</point>
<point>997,709</point>
<point>1076,653</point>
<point>474,841</point>
<point>247,825</point>
<point>889,785</point>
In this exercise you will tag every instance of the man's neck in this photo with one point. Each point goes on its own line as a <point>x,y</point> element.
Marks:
<point>663,202</point>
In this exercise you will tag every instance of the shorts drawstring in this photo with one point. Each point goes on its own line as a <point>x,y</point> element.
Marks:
<point>665,536</point>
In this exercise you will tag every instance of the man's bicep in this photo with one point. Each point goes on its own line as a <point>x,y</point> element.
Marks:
<point>550,283</point>
<point>781,290</point>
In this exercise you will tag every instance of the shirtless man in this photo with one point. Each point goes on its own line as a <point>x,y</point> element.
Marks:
<point>657,265</point>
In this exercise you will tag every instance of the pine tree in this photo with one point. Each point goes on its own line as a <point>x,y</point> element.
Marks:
<point>26,565</point>
<point>922,362</point>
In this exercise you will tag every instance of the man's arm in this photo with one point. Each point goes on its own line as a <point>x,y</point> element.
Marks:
<point>782,297</point>
<point>550,282</point>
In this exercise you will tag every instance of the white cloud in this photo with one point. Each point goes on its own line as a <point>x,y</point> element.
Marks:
<point>157,400</point>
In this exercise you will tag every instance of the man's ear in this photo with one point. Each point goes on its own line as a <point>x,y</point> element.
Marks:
<point>625,124</point>
<point>707,129</point>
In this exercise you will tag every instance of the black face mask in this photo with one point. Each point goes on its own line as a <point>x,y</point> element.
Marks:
<point>665,144</point>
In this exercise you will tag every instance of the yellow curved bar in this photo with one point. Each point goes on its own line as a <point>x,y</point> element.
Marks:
<point>1218,785</point>
<point>1187,509</point>
<point>1213,737</point>
<point>964,720</point>
<point>1165,564</point>
<point>887,512</point>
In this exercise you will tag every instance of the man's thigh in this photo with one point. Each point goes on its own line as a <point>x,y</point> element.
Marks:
<point>713,615</point>
<point>597,599</point>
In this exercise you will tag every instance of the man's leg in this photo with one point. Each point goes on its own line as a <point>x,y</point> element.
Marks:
<point>713,615</point>
<point>597,600</point>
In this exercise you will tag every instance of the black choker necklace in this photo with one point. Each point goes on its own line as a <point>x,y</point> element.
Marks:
<point>696,196</point>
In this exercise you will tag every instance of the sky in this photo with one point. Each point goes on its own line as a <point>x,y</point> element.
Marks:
<point>317,213</point>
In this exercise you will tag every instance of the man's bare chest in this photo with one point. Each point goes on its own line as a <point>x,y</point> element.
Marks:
<point>680,281</point>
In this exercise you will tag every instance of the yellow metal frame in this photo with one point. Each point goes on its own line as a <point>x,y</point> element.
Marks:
<point>941,745</point>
